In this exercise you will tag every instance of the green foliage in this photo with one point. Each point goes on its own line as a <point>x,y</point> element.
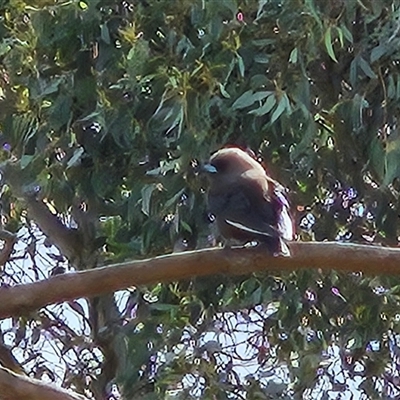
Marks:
<point>112,104</point>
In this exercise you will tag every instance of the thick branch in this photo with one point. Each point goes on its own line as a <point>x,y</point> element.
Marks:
<point>21,299</point>
<point>13,386</point>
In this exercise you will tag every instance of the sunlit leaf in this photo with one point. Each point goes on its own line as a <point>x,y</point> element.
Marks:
<point>293,56</point>
<point>245,100</point>
<point>328,44</point>
<point>241,65</point>
<point>223,91</point>
<point>279,110</point>
<point>340,35</point>
<point>266,107</point>
<point>147,192</point>
<point>76,158</point>
<point>26,160</point>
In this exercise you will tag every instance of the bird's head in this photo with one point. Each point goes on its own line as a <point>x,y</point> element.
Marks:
<point>231,161</point>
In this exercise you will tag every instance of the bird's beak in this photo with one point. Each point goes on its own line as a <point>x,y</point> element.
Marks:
<point>209,168</point>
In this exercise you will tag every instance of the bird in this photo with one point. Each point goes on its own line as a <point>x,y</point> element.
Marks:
<point>248,205</point>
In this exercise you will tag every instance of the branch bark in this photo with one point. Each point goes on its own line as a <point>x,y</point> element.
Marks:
<point>14,386</point>
<point>21,299</point>
<point>68,240</point>
<point>9,241</point>
<point>8,360</point>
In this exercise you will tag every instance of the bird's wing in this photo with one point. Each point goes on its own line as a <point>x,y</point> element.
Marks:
<point>277,194</point>
<point>285,223</point>
<point>245,205</point>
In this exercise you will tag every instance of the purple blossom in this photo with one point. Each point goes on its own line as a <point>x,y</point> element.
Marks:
<point>335,291</point>
<point>7,146</point>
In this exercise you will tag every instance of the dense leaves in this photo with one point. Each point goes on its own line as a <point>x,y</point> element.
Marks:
<point>109,106</point>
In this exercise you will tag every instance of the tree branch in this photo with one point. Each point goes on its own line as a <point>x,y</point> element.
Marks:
<point>68,240</point>
<point>9,240</point>
<point>8,360</point>
<point>21,299</point>
<point>14,386</point>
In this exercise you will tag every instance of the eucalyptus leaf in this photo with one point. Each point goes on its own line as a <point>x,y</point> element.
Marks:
<point>328,44</point>
<point>76,157</point>
<point>266,107</point>
<point>243,101</point>
<point>279,110</point>
<point>147,192</point>
<point>366,68</point>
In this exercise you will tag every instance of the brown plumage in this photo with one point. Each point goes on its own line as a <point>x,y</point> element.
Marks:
<point>248,205</point>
